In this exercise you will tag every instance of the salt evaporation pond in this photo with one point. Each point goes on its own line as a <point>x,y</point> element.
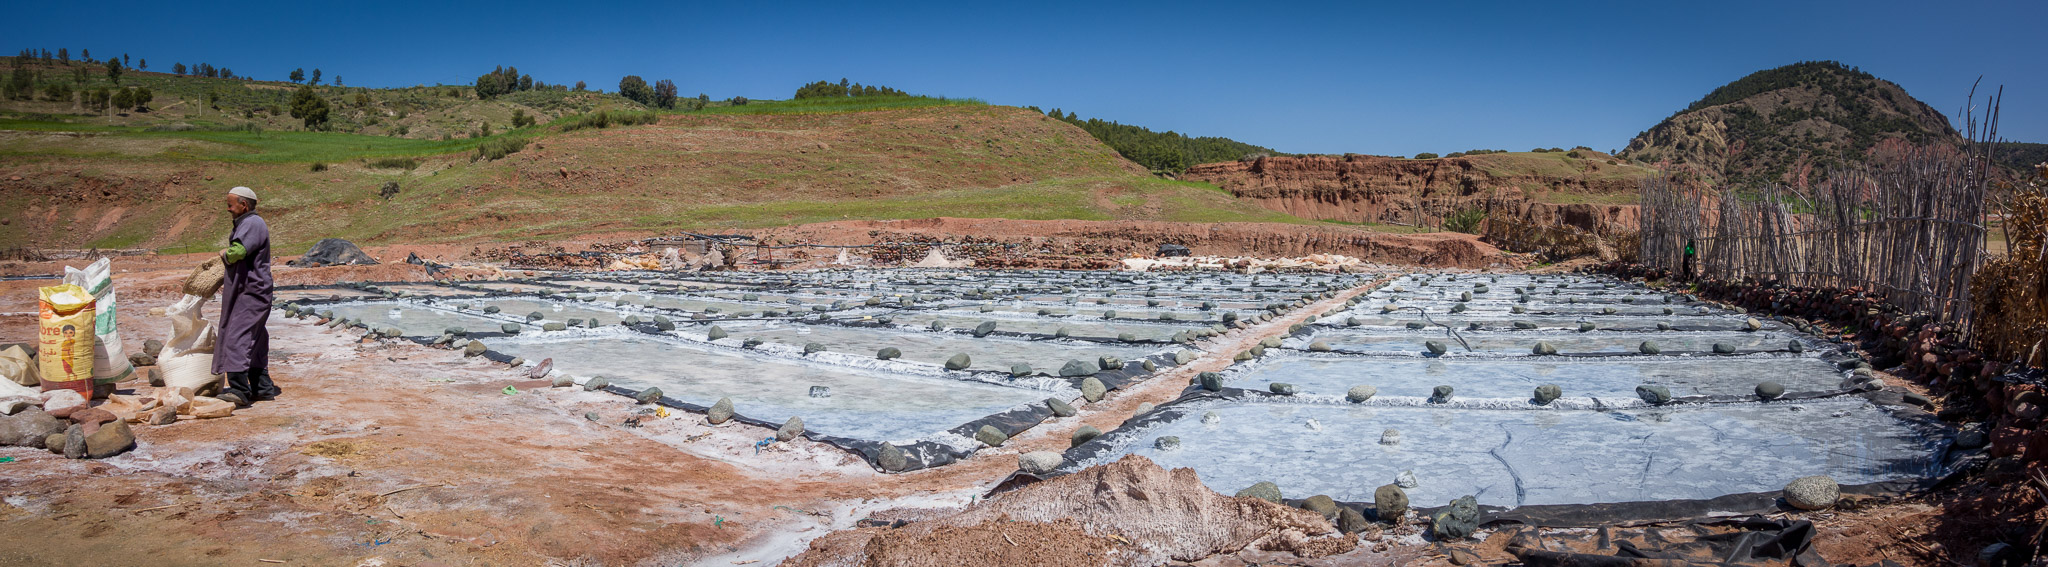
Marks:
<point>550,311</point>
<point>1524,457</point>
<point>412,320</point>
<point>864,404</point>
<point>987,353</point>
<point>1515,378</point>
<point>1573,343</point>
<point>1048,325</point>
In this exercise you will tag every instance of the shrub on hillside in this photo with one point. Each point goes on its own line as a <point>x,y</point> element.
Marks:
<point>609,118</point>
<point>1425,155</point>
<point>1466,221</point>
<point>396,163</point>
<point>499,148</point>
<point>308,106</point>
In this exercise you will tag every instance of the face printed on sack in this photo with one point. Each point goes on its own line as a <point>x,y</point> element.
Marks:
<point>70,343</point>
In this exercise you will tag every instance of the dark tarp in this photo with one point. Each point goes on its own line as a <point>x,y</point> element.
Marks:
<point>333,252</point>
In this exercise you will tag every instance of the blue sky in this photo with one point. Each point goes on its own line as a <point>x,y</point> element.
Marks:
<point>1380,78</point>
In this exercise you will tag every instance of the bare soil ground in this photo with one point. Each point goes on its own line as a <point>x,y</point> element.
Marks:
<point>409,455</point>
<point>414,456</point>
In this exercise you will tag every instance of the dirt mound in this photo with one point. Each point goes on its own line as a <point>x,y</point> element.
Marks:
<point>1153,516</point>
<point>333,252</point>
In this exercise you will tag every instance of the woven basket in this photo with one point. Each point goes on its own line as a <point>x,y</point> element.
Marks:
<point>206,279</point>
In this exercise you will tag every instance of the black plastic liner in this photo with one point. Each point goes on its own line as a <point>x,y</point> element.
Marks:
<point>1757,541</point>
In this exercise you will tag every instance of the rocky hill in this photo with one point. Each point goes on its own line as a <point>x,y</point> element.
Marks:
<point>1581,188</point>
<point>1771,123</point>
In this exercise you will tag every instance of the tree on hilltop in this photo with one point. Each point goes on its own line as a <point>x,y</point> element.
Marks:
<point>298,74</point>
<point>635,88</point>
<point>665,93</point>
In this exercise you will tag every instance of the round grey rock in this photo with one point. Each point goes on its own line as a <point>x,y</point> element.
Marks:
<point>990,436</point>
<point>1084,434</point>
<point>720,412</point>
<point>1812,492</point>
<point>1769,390</point>
<point>1093,390</point>
<point>1039,462</point>
<point>1656,395</point>
<point>790,429</point>
<point>1266,491</point>
<point>959,362</point>
<point>891,458</point>
<point>1390,502</point>
<point>1360,393</point>
<point>1166,443</point>
<point>1548,393</point>
<point>1060,408</point>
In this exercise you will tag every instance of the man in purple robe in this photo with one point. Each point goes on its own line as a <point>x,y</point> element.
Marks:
<point>242,350</point>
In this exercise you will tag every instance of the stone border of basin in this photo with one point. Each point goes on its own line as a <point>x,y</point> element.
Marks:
<point>1851,384</point>
<point>1955,462</point>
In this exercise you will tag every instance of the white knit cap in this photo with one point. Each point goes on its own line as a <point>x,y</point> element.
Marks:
<point>244,192</point>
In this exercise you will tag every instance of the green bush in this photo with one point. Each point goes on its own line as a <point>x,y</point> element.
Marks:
<point>609,118</point>
<point>499,148</point>
<point>319,167</point>
<point>396,163</point>
<point>1466,221</point>
<point>1425,155</point>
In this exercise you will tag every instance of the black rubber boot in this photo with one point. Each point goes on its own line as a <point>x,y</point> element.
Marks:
<point>237,389</point>
<point>261,385</point>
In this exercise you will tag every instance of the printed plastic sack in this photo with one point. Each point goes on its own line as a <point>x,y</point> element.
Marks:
<point>64,338</point>
<point>18,367</point>
<point>109,362</point>
<point>187,358</point>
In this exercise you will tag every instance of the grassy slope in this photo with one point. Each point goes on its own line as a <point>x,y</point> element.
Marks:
<point>1593,169</point>
<point>762,164</point>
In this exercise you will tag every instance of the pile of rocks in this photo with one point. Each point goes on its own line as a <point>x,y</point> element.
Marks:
<point>65,424</point>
